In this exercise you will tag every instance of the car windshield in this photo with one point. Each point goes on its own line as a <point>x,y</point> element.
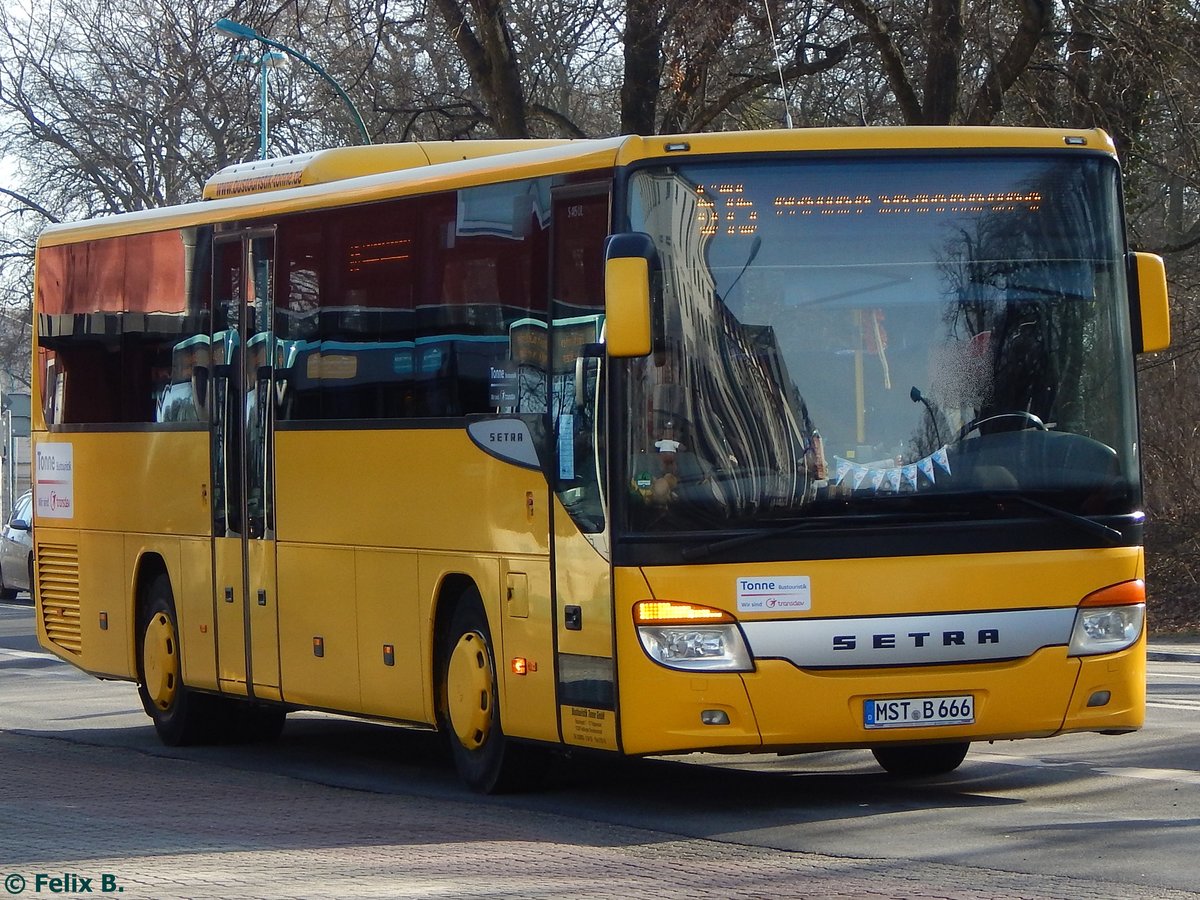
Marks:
<point>860,336</point>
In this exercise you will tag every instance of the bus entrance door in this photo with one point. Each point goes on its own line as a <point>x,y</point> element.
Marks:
<point>243,344</point>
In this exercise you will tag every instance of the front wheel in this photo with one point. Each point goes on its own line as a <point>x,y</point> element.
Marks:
<point>469,707</point>
<point>921,761</point>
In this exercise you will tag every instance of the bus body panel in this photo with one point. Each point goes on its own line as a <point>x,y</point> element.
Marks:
<point>783,705</point>
<point>153,493</point>
<point>392,684</point>
<point>318,633</point>
<point>149,482</point>
<point>524,640</point>
<point>197,620</point>
<point>823,709</point>
<point>436,491</point>
<point>1123,677</point>
<point>585,652</point>
<point>889,586</point>
<point>105,626</point>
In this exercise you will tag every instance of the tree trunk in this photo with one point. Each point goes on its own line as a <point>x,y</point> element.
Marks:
<point>643,66</point>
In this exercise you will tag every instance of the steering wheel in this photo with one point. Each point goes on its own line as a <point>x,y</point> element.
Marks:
<point>1028,419</point>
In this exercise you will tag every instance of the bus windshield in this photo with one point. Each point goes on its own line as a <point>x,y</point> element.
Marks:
<point>859,336</point>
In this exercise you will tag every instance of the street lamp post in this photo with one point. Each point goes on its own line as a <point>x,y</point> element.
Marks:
<point>245,32</point>
<point>267,60</point>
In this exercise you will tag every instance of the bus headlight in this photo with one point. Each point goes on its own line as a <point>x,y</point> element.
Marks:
<point>1109,620</point>
<point>691,638</point>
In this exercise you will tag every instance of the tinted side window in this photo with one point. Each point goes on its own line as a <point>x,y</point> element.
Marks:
<point>409,308</point>
<point>121,328</point>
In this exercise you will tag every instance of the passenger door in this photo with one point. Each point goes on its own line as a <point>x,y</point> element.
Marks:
<point>582,577</point>
<point>243,358</point>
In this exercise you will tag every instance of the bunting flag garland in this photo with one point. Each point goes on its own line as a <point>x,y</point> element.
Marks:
<point>893,478</point>
<point>925,467</point>
<point>843,466</point>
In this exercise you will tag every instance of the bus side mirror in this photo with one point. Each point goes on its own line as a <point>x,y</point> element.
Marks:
<point>1152,318</point>
<point>628,263</point>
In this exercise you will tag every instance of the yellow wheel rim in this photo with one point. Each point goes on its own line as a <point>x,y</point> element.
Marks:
<point>469,690</point>
<point>160,661</point>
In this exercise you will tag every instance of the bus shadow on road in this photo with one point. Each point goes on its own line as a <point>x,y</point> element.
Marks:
<point>676,793</point>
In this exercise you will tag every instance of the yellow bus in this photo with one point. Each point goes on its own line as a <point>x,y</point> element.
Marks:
<point>775,441</point>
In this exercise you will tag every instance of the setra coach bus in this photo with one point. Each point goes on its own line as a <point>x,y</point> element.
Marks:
<point>772,441</point>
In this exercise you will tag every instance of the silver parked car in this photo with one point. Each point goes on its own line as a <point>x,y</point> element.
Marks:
<point>16,549</point>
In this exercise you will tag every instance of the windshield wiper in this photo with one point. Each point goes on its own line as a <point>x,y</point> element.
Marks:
<point>1110,536</point>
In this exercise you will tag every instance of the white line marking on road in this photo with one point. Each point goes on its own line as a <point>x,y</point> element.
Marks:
<point>9,653</point>
<point>1178,776</point>
<point>1175,703</point>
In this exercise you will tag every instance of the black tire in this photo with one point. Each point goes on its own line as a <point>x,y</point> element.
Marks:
<point>921,761</point>
<point>468,707</point>
<point>7,593</point>
<point>182,717</point>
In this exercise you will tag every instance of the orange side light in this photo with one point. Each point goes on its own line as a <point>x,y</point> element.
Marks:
<point>1127,593</point>
<point>651,612</point>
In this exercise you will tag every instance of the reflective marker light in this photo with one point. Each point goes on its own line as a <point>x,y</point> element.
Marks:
<point>1110,619</point>
<point>690,637</point>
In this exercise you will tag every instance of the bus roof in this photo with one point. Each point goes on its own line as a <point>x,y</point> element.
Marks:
<point>340,163</point>
<point>348,175</point>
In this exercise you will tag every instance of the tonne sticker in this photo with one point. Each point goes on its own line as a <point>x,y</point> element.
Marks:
<point>773,593</point>
<point>54,481</point>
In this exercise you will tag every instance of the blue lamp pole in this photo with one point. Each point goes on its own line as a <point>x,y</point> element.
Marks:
<point>267,60</point>
<point>245,32</point>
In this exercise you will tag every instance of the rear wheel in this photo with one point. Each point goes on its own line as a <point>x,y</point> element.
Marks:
<point>922,761</point>
<point>181,716</point>
<point>469,707</point>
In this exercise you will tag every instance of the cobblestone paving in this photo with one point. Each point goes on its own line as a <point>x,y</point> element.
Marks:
<point>173,829</point>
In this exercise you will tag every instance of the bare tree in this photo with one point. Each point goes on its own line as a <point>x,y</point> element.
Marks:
<point>964,74</point>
